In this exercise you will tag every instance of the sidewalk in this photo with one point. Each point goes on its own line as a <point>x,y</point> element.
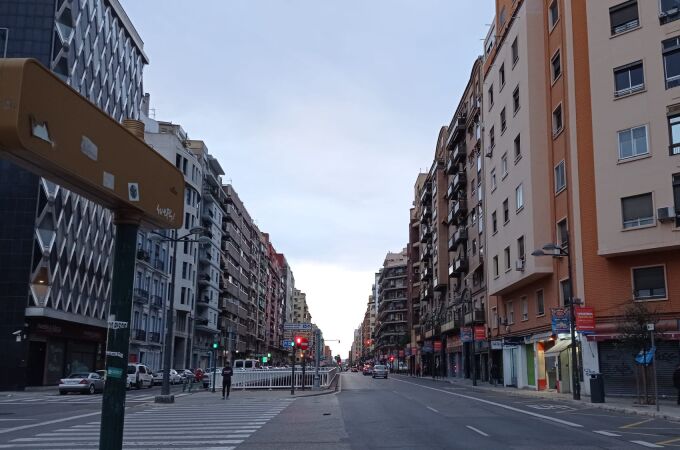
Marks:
<point>668,409</point>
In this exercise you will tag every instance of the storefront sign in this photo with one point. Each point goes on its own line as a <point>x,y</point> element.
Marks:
<point>114,372</point>
<point>466,334</point>
<point>560,320</point>
<point>480,333</point>
<point>513,340</point>
<point>437,346</point>
<point>496,345</point>
<point>452,342</point>
<point>427,347</point>
<point>585,319</point>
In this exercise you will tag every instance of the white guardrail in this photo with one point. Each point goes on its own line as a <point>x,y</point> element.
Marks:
<point>275,378</point>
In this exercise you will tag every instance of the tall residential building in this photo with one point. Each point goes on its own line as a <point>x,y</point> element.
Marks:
<point>391,332</point>
<point>465,163</point>
<point>413,268</point>
<point>300,309</point>
<point>171,141</point>
<point>56,247</point>
<point>209,271</point>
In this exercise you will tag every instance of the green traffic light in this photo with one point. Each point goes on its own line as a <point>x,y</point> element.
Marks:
<point>269,355</point>
<point>215,344</point>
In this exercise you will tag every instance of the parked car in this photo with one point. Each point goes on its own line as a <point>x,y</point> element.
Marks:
<point>355,369</point>
<point>380,371</point>
<point>243,364</point>
<point>139,376</point>
<point>102,375</point>
<point>174,377</point>
<point>186,375</point>
<point>83,382</point>
<point>368,370</point>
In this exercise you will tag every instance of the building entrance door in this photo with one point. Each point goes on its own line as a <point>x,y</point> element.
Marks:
<point>36,363</point>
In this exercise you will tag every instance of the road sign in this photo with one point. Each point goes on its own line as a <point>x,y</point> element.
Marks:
<point>297,326</point>
<point>49,129</point>
<point>304,343</point>
<point>287,343</point>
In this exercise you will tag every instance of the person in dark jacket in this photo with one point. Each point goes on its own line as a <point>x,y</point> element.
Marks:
<point>495,374</point>
<point>227,372</point>
<point>676,381</point>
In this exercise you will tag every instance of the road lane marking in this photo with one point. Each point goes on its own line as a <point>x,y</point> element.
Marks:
<point>432,409</point>
<point>476,430</point>
<point>49,422</point>
<point>670,441</point>
<point>607,433</point>
<point>501,405</point>
<point>631,425</point>
<point>647,444</point>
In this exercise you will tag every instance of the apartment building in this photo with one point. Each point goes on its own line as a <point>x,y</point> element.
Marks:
<point>465,161</point>
<point>301,310</point>
<point>413,268</point>
<point>56,247</point>
<point>391,331</point>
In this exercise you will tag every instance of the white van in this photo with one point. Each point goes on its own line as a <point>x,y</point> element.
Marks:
<point>139,376</point>
<point>246,364</point>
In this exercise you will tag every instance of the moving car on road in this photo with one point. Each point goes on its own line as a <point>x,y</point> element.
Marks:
<point>368,370</point>
<point>139,376</point>
<point>380,371</point>
<point>83,382</point>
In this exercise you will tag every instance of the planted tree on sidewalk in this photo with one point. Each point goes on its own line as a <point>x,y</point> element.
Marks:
<point>634,337</point>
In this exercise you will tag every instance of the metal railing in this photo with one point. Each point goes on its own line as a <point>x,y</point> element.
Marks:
<point>276,378</point>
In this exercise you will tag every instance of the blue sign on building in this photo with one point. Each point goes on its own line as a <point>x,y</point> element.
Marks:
<point>560,320</point>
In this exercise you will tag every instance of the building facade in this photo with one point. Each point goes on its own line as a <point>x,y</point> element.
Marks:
<point>391,332</point>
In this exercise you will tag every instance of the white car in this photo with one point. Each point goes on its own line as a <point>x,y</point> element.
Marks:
<point>139,376</point>
<point>82,382</point>
<point>174,377</point>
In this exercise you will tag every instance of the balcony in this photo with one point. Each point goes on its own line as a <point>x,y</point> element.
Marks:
<point>204,280</point>
<point>425,253</point>
<point>141,295</point>
<point>452,167</point>
<point>458,182</point>
<point>426,274</point>
<point>139,335</point>
<point>159,264</point>
<point>427,193</point>
<point>459,154</point>
<point>205,258</point>
<point>459,236</point>
<point>426,212</point>
<point>458,266</point>
<point>156,301</point>
<point>459,210</point>
<point>203,301</point>
<point>425,233</point>
<point>143,255</point>
<point>211,191</point>
<point>155,337</point>
<point>476,316</point>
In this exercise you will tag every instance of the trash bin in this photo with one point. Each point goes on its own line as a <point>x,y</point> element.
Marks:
<point>596,388</point>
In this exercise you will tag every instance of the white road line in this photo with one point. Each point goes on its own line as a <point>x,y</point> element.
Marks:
<point>95,444</point>
<point>607,433</point>
<point>136,436</point>
<point>500,405</point>
<point>476,430</point>
<point>647,444</point>
<point>432,409</point>
<point>49,422</point>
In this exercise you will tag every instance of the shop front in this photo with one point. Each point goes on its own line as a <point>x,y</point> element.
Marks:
<point>57,348</point>
<point>454,356</point>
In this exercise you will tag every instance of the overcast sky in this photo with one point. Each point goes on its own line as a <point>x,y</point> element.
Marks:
<point>322,113</point>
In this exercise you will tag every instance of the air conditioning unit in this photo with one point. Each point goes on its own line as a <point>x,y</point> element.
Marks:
<point>665,214</point>
<point>519,265</point>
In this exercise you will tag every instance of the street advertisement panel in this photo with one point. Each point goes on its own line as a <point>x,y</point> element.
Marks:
<point>496,345</point>
<point>585,319</point>
<point>466,334</point>
<point>560,320</point>
<point>480,333</point>
<point>437,346</point>
<point>427,347</point>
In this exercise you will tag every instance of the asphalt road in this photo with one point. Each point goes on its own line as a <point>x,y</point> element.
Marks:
<point>397,413</point>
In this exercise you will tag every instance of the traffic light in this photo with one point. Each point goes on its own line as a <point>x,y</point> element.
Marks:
<point>215,345</point>
<point>298,341</point>
<point>391,358</point>
<point>269,355</point>
<point>264,359</point>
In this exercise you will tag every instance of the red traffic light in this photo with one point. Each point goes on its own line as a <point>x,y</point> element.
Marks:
<point>391,358</point>
<point>298,340</point>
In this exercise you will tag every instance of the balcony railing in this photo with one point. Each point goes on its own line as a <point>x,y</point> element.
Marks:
<point>154,336</point>
<point>159,264</point>
<point>143,255</point>
<point>141,294</point>
<point>458,182</point>
<point>140,335</point>
<point>156,301</point>
<point>476,316</point>
<point>459,209</point>
<point>459,154</point>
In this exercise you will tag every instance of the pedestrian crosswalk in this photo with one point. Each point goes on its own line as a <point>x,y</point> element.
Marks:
<point>73,398</point>
<point>208,425</point>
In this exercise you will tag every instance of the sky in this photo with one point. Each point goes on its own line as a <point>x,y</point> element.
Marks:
<point>322,114</point>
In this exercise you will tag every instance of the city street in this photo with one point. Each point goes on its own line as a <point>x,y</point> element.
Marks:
<point>400,412</point>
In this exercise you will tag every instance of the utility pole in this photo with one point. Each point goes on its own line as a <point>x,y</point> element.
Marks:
<point>317,377</point>
<point>650,327</point>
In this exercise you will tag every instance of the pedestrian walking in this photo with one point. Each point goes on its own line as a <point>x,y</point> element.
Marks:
<point>227,372</point>
<point>495,374</point>
<point>676,381</point>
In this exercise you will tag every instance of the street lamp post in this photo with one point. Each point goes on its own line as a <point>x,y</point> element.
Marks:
<point>559,252</point>
<point>165,396</point>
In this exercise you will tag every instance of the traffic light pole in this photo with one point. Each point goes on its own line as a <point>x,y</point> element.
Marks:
<point>317,377</point>
<point>292,373</point>
<point>214,368</point>
<point>304,361</point>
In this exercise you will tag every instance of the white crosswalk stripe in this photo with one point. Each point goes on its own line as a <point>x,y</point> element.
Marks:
<point>75,398</point>
<point>168,427</point>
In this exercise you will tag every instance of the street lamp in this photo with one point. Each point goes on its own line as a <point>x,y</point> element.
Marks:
<point>165,396</point>
<point>557,251</point>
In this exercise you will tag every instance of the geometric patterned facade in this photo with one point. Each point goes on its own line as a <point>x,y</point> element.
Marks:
<point>64,262</point>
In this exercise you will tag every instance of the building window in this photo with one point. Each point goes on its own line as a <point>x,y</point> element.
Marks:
<point>515,51</point>
<point>493,179</point>
<point>506,211</point>
<point>629,79</point>
<point>479,191</point>
<point>519,197</point>
<point>560,177</point>
<point>506,258</point>
<point>556,66</point>
<point>557,120</point>
<point>517,146</point>
<point>501,77</point>
<point>492,137</point>
<point>540,304</point>
<point>494,222</point>
<point>509,312</point>
<point>562,233</point>
<point>637,210</point>
<point>671,61</point>
<point>669,10</point>
<point>520,248</point>
<point>565,293</point>
<point>495,266</point>
<point>649,283</point>
<point>479,163</point>
<point>474,247</point>
<point>624,17</point>
<point>553,13</point>
<point>515,100</point>
<point>494,317</point>
<point>504,165</point>
<point>674,134</point>
<point>676,197</point>
<point>490,96</point>
<point>525,308</point>
<point>633,142</point>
